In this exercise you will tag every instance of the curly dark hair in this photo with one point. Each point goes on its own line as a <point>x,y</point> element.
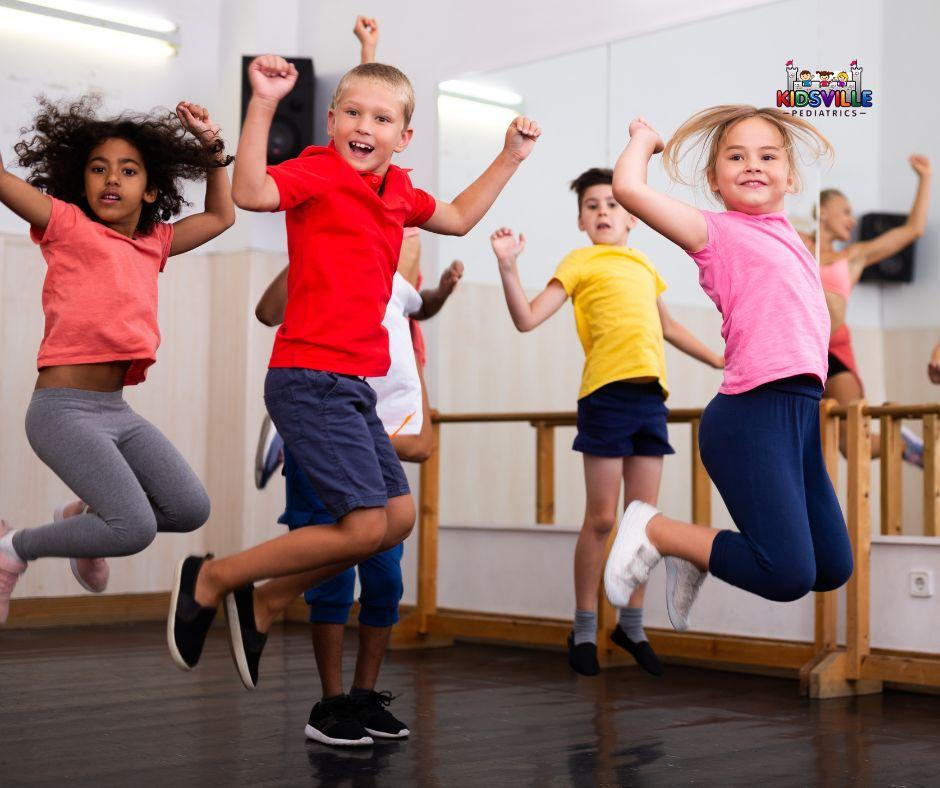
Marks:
<point>64,134</point>
<point>590,178</point>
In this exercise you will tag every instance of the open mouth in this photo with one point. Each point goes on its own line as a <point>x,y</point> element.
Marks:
<point>110,198</point>
<point>360,149</point>
<point>603,226</point>
<point>753,184</point>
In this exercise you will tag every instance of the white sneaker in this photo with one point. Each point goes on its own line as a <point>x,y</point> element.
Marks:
<point>632,556</point>
<point>913,451</point>
<point>683,580</point>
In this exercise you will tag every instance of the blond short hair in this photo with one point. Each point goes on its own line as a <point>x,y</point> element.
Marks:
<point>708,128</point>
<point>385,75</point>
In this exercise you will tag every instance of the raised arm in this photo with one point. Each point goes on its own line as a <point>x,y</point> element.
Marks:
<point>432,299</point>
<point>24,200</point>
<point>866,253</point>
<point>417,448</point>
<point>366,30</point>
<point>271,305</point>
<point>460,216</point>
<point>681,338</point>
<point>525,314</point>
<point>219,213</point>
<point>679,222</point>
<point>271,79</point>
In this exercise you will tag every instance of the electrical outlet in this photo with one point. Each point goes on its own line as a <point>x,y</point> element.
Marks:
<point>921,583</point>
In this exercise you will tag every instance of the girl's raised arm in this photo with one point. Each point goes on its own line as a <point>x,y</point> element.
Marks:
<point>678,221</point>
<point>24,200</point>
<point>219,213</point>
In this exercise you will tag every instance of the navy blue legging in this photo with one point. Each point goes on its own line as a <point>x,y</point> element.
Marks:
<point>763,451</point>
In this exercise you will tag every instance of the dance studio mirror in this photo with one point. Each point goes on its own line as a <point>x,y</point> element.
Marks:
<point>666,76</point>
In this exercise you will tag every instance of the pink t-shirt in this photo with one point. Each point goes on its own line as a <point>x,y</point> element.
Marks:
<point>100,292</point>
<point>766,285</point>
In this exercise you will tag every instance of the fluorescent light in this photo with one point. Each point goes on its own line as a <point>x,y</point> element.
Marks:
<point>106,29</point>
<point>477,92</point>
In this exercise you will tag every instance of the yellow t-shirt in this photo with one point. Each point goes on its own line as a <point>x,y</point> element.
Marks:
<point>614,291</point>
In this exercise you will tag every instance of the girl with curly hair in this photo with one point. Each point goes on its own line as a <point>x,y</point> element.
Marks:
<point>98,199</point>
<point>759,436</point>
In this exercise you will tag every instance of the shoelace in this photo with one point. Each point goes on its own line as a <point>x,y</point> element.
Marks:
<point>382,698</point>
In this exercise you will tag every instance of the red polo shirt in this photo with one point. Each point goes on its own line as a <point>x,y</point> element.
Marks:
<point>344,231</point>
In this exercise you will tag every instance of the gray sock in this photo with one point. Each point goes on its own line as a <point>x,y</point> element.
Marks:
<point>631,622</point>
<point>585,627</point>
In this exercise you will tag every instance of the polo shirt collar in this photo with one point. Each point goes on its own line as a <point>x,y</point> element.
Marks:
<point>370,179</point>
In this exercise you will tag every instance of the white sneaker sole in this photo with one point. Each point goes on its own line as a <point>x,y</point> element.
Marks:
<point>312,733</point>
<point>236,647</point>
<point>617,585</point>
<point>679,623</point>
<point>171,618</point>
<point>403,734</point>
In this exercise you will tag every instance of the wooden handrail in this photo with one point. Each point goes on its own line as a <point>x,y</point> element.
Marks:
<point>833,671</point>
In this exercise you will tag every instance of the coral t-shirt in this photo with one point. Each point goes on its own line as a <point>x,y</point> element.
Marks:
<point>766,285</point>
<point>613,290</point>
<point>344,233</point>
<point>100,292</point>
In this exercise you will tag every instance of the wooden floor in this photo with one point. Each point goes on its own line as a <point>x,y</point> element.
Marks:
<point>105,706</point>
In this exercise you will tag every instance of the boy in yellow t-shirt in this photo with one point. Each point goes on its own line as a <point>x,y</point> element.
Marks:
<point>621,321</point>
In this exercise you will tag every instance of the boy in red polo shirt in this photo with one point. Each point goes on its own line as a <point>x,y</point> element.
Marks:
<point>346,205</point>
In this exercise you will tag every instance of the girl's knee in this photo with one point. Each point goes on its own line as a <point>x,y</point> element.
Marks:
<point>834,574</point>
<point>134,535</point>
<point>599,524</point>
<point>791,582</point>
<point>194,511</point>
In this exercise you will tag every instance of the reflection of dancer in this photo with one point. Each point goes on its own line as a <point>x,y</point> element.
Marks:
<point>759,437</point>
<point>841,269</point>
<point>622,434</point>
<point>97,200</point>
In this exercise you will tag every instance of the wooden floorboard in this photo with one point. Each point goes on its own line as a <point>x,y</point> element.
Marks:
<point>105,706</point>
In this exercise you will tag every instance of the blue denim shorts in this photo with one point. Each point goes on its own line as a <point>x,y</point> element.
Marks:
<point>329,424</point>
<point>623,419</point>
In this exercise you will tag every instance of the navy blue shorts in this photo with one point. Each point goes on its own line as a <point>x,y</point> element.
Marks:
<point>329,424</point>
<point>623,419</point>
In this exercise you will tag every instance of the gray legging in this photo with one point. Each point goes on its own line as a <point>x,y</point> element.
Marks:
<point>132,478</point>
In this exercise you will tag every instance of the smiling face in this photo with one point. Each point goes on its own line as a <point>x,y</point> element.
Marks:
<point>604,219</point>
<point>367,125</point>
<point>752,170</point>
<point>116,184</point>
<point>835,217</point>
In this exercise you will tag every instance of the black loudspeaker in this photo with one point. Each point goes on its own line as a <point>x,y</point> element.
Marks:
<point>292,127</point>
<point>900,267</point>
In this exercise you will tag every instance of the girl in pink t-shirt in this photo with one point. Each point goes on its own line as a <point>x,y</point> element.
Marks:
<point>97,200</point>
<point>759,436</point>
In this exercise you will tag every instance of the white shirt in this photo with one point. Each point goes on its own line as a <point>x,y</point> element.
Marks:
<point>399,392</point>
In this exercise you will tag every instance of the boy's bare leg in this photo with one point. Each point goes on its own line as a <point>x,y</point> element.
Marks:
<point>372,644</point>
<point>273,597</point>
<point>328,649</point>
<point>682,540</point>
<point>602,485</point>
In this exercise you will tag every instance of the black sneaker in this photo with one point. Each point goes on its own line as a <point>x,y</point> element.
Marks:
<point>334,722</point>
<point>583,657</point>
<point>642,651</point>
<point>245,642</point>
<point>370,709</point>
<point>188,622</point>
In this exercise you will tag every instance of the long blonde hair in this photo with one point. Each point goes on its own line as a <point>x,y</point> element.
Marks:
<point>706,129</point>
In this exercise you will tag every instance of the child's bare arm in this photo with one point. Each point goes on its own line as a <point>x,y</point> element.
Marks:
<point>525,314</point>
<point>219,213</point>
<point>24,200</point>
<point>933,367</point>
<point>461,215</point>
<point>271,305</point>
<point>432,299</point>
<point>679,222</point>
<point>680,337</point>
<point>271,79</point>
<point>866,253</point>
<point>417,448</point>
<point>366,30</point>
